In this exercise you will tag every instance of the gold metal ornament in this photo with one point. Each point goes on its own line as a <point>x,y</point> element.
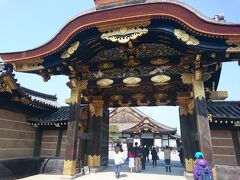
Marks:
<point>198,90</point>
<point>160,78</point>
<point>189,163</point>
<point>104,82</point>
<point>31,65</point>
<point>68,52</point>
<point>69,167</point>
<point>131,62</point>
<point>90,161</point>
<point>96,160</point>
<point>116,97</point>
<point>235,48</point>
<point>96,107</point>
<point>132,80</point>
<point>159,61</point>
<point>186,38</point>
<point>187,78</point>
<point>124,32</point>
<point>105,65</point>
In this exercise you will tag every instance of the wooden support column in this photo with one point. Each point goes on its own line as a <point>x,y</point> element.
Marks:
<point>73,125</point>
<point>203,129</point>
<point>95,126</point>
<point>38,143</point>
<point>188,132</point>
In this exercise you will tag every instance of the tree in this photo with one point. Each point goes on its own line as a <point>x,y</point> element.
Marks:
<point>113,134</point>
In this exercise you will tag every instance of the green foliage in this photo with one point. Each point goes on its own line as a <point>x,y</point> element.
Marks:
<point>113,131</point>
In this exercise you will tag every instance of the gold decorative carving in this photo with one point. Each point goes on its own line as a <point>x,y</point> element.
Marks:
<point>160,78</point>
<point>143,103</point>
<point>10,82</point>
<point>159,61</point>
<point>186,105</point>
<point>218,95</point>
<point>105,65</point>
<point>30,65</point>
<point>198,90</point>
<point>209,117</point>
<point>77,88</point>
<point>159,96</point>
<point>96,107</point>
<point>96,160</point>
<point>104,82</point>
<point>69,167</point>
<point>90,161</point>
<point>124,104</point>
<point>68,52</point>
<point>188,39</point>
<point>116,97</point>
<point>235,48</point>
<point>189,163</point>
<point>187,78</point>
<point>4,88</point>
<point>132,80</point>
<point>138,96</point>
<point>124,32</point>
<point>131,62</point>
<point>160,103</point>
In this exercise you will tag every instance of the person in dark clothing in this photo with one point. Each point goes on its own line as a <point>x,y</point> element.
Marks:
<point>143,158</point>
<point>138,155</point>
<point>147,152</point>
<point>181,155</point>
<point>154,156</point>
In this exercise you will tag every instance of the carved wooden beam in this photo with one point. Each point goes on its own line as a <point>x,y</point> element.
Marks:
<point>218,95</point>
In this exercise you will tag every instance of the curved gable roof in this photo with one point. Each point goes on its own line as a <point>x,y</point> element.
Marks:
<point>169,9</point>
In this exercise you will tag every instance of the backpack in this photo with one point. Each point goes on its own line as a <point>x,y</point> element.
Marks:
<point>204,173</point>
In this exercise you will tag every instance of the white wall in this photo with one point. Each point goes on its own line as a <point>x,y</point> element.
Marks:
<point>158,142</point>
<point>136,140</point>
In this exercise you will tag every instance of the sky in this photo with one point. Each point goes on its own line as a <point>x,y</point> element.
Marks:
<point>27,24</point>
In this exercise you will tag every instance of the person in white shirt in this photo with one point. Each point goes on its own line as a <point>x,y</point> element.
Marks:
<point>118,160</point>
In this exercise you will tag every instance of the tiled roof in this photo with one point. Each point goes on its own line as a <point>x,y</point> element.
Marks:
<point>31,98</point>
<point>60,116</point>
<point>224,109</point>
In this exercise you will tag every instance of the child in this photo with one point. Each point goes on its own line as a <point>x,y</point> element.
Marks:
<point>118,160</point>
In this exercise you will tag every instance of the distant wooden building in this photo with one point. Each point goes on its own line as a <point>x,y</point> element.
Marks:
<point>136,126</point>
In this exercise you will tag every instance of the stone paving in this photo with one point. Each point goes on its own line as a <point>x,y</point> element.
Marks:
<point>108,173</point>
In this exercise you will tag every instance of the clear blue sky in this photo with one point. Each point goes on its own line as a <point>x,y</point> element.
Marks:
<point>26,24</point>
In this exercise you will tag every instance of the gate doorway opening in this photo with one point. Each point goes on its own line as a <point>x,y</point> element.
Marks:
<point>147,142</point>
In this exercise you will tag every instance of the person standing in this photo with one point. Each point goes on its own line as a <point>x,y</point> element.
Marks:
<point>118,161</point>
<point>138,155</point>
<point>181,155</point>
<point>131,156</point>
<point>154,156</point>
<point>147,152</point>
<point>167,158</point>
<point>143,158</point>
<point>201,168</point>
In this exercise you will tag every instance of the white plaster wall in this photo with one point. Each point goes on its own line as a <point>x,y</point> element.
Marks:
<point>136,140</point>
<point>157,142</point>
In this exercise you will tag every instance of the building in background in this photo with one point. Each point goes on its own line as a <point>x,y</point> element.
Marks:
<point>135,126</point>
